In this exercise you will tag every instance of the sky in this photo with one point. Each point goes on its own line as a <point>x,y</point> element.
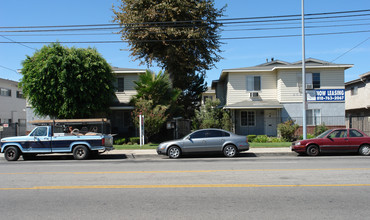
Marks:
<point>350,48</point>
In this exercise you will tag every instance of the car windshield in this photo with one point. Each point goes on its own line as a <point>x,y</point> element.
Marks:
<point>324,134</point>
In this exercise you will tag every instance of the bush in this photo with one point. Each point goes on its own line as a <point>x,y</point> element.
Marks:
<point>120,141</point>
<point>287,130</point>
<point>261,139</point>
<point>274,139</point>
<point>135,140</point>
<point>309,136</point>
<point>251,137</point>
<point>319,129</point>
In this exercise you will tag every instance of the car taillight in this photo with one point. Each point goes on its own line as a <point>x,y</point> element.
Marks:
<point>246,139</point>
<point>103,141</point>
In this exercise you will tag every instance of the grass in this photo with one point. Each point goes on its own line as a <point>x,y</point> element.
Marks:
<point>154,146</point>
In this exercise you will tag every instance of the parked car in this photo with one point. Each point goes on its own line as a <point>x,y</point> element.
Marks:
<point>334,140</point>
<point>205,140</point>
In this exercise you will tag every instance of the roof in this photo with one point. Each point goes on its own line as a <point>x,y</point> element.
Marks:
<point>278,64</point>
<point>127,70</point>
<point>248,104</point>
<point>361,79</point>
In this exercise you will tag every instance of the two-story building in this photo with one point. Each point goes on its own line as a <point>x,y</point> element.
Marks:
<point>358,96</point>
<point>262,96</point>
<point>121,109</point>
<point>12,104</point>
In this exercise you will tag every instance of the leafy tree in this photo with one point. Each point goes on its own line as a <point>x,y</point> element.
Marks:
<point>67,82</point>
<point>319,129</point>
<point>182,37</point>
<point>210,115</point>
<point>154,116</point>
<point>156,88</point>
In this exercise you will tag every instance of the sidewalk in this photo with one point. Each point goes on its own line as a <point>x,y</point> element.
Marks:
<point>253,152</point>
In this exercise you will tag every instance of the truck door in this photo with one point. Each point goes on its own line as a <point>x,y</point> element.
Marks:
<point>41,140</point>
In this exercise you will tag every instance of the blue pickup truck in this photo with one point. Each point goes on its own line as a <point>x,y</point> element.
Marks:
<point>44,140</point>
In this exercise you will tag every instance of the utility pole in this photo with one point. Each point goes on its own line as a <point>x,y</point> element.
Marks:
<point>304,101</point>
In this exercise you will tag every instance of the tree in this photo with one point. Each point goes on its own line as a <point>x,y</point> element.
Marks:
<point>210,115</point>
<point>67,82</point>
<point>156,88</point>
<point>182,37</point>
<point>287,130</point>
<point>154,116</point>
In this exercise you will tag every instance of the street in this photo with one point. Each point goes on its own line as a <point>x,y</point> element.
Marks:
<point>285,187</point>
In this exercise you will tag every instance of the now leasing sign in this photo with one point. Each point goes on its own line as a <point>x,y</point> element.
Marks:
<point>326,95</point>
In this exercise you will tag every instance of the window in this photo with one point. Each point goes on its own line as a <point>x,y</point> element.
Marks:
<point>354,133</point>
<point>20,95</point>
<point>40,131</point>
<point>313,116</point>
<point>248,118</point>
<point>198,134</point>
<point>214,133</point>
<point>253,83</point>
<point>354,90</point>
<point>5,92</point>
<point>338,134</point>
<point>120,86</point>
<point>312,81</point>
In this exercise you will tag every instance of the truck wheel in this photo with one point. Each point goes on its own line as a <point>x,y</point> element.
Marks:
<point>80,152</point>
<point>12,153</point>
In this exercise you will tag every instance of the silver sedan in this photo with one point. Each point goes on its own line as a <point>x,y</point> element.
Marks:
<point>205,140</point>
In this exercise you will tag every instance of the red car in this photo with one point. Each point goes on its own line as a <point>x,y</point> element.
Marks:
<point>333,141</point>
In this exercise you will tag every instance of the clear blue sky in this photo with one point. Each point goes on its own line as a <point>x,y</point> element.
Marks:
<point>237,53</point>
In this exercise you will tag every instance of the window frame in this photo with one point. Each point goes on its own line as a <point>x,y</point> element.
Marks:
<point>248,120</point>
<point>315,117</point>
<point>118,88</point>
<point>252,79</point>
<point>5,92</point>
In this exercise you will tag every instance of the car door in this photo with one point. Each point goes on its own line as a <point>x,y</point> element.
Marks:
<point>214,140</point>
<point>355,139</point>
<point>41,140</point>
<point>336,141</point>
<point>196,142</point>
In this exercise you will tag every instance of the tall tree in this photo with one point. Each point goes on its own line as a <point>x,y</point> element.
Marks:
<point>180,36</point>
<point>67,82</point>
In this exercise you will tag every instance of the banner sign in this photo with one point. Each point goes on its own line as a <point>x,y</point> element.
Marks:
<point>326,95</point>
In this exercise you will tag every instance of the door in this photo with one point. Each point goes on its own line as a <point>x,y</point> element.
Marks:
<point>40,140</point>
<point>336,141</point>
<point>270,122</point>
<point>196,142</point>
<point>214,140</point>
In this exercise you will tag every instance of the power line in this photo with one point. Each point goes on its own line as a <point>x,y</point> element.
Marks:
<point>350,49</point>
<point>18,42</point>
<point>179,40</point>
<point>8,68</point>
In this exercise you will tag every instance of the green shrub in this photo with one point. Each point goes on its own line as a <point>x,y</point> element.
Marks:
<point>287,130</point>
<point>274,139</point>
<point>309,136</point>
<point>135,140</point>
<point>120,141</point>
<point>251,137</point>
<point>261,139</point>
<point>319,129</point>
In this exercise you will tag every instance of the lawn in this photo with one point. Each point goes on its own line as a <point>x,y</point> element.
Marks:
<point>154,146</point>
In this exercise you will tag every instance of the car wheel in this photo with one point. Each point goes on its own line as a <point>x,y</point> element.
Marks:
<point>230,151</point>
<point>313,150</point>
<point>174,152</point>
<point>364,150</point>
<point>12,153</point>
<point>80,152</point>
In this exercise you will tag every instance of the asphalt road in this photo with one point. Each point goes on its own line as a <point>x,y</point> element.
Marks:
<point>324,187</point>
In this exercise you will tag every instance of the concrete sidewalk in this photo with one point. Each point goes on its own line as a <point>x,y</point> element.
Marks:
<point>256,152</point>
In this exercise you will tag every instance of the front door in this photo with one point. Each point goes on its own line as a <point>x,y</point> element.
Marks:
<point>270,122</point>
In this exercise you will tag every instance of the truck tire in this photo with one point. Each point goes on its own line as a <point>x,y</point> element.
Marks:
<point>12,153</point>
<point>80,152</point>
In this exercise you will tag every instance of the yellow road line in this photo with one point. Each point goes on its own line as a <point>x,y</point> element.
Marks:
<point>188,171</point>
<point>179,186</point>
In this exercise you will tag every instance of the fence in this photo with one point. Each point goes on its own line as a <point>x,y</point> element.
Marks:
<point>360,122</point>
<point>12,129</point>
